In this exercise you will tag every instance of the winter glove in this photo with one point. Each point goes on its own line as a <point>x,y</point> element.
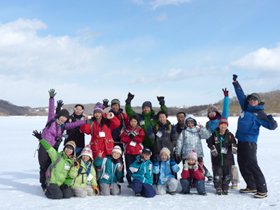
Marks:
<point>195,167</point>
<point>225,92</point>
<point>156,163</point>
<point>58,107</point>
<point>172,160</point>
<point>186,166</point>
<point>76,164</point>
<point>156,178</point>
<point>234,77</point>
<point>269,117</point>
<point>234,149</point>
<point>149,129</point>
<point>96,190</point>
<point>214,152</point>
<point>129,98</point>
<point>178,159</point>
<point>131,135</point>
<point>52,93</point>
<point>37,134</point>
<point>105,103</point>
<point>89,121</point>
<point>173,131</point>
<point>140,160</point>
<point>161,100</point>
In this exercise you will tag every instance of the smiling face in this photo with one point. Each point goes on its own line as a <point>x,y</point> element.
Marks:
<point>212,114</point>
<point>191,161</point>
<point>146,156</point>
<point>85,158</point>
<point>190,124</point>
<point>68,150</point>
<point>116,155</point>
<point>78,110</point>
<point>61,120</point>
<point>98,116</point>
<point>115,108</point>
<point>146,109</point>
<point>164,156</point>
<point>253,101</point>
<point>162,118</point>
<point>223,127</point>
<point>181,119</point>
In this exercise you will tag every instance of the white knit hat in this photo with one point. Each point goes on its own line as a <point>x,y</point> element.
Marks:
<point>166,151</point>
<point>117,149</point>
<point>86,151</point>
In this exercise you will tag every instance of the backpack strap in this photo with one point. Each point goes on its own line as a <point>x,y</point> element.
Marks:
<point>51,166</point>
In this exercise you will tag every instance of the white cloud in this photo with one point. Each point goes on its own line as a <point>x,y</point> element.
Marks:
<point>159,3</point>
<point>262,59</point>
<point>87,33</point>
<point>161,17</point>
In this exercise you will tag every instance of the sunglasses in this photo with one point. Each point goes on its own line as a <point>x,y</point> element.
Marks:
<point>69,147</point>
<point>253,99</point>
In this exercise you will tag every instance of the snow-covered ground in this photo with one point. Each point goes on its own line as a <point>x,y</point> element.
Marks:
<point>20,188</point>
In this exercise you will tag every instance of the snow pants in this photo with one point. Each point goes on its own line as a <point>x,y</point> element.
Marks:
<point>44,162</point>
<point>83,191</point>
<point>146,190</point>
<point>249,168</point>
<point>129,159</point>
<point>170,186</point>
<point>110,189</point>
<point>56,192</point>
<point>222,176</point>
<point>198,184</point>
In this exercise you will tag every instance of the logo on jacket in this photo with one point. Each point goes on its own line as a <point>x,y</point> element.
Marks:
<point>242,114</point>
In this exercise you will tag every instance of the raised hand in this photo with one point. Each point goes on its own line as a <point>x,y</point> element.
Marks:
<point>225,92</point>
<point>52,93</point>
<point>105,103</point>
<point>129,98</point>
<point>161,100</point>
<point>37,134</point>
<point>234,77</point>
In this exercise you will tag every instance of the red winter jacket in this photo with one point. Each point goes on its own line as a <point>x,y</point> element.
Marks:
<point>198,174</point>
<point>138,139</point>
<point>101,144</point>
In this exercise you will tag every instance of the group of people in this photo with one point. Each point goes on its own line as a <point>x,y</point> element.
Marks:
<point>150,147</point>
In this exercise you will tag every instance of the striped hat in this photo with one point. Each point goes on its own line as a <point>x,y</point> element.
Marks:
<point>117,149</point>
<point>71,143</point>
<point>192,155</point>
<point>98,108</point>
<point>223,120</point>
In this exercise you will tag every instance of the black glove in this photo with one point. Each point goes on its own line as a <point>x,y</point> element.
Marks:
<point>58,107</point>
<point>131,136</point>
<point>172,160</point>
<point>269,117</point>
<point>161,100</point>
<point>178,159</point>
<point>105,103</point>
<point>76,163</point>
<point>234,77</point>
<point>37,134</point>
<point>129,98</point>
<point>214,152</point>
<point>225,92</point>
<point>156,178</point>
<point>140,160</point>
<point>52,93</point>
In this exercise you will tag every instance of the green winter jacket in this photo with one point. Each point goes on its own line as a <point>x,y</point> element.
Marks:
<point>110,169</point>
<point>59,173</point>
<point>149,119</point>
<point>81,179</point>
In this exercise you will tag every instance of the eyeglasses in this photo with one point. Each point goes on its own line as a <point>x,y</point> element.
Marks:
<point>253,99</point>
<point>69,147</point>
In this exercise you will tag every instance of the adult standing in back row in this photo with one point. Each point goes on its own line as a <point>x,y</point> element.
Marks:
<point>148,116</point>
<point>249,122</point>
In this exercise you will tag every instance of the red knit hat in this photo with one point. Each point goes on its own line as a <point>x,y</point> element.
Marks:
<point>223,120</point>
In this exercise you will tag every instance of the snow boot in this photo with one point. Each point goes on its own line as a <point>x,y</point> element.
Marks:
<point>219,191</point>
<point>260,195</point>
<point>225,192</point>
<point>247,190</point>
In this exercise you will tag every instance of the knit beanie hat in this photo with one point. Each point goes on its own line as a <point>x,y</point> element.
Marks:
<point>86,151</point>
<point>115,101</point>
<point>223,120</point>
<point>147,151</point>
<point>166,151</point>
<point>212,108</point>
<point>256,95</point>
<point>63,113</point>
<point>70,143</point>
<point>117,149</point>
<point>190,118</point>
<point>192,155</point>
<point>148,104</point>
<point>98,108</point>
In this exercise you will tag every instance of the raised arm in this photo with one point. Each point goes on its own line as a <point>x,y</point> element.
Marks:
<point>239,92</point>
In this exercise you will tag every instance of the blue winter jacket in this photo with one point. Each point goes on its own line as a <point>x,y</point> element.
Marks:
<point>213,124</point>
<point>142,171</point>
<point>251,118</point>
<point>164,168</point>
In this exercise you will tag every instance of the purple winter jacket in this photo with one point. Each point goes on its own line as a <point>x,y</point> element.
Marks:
<point>49,134</point>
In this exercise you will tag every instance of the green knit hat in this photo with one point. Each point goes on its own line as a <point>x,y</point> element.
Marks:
<point>256,95</point>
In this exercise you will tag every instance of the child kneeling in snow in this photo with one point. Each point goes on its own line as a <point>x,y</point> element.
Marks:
<point>164,173</point>
<point>142,174</point>
<point>193,175</point>
<point>58,181</point>
<point>83,173</point>
<point>111,171</point>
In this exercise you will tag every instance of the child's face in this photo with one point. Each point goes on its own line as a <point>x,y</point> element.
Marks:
<point>146,157</point>
<point>146,109</point>
<point>68,150</point>
<point>191,161</point>
<point>133,123</point>
<point>190,124</point>
<point>116,155</point>
<point>180,118</point>
<point>85,158</point>
<point>162,118</point>
<point>223,127</point>
<point>98,115</point>
<point>164,156</point>
<point>212,114</point>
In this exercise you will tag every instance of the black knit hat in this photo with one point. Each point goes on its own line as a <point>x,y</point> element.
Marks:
<point>148,104</point>
<point>63,113</point>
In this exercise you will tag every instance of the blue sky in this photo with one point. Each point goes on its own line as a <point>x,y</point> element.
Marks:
<point>185,50</point>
